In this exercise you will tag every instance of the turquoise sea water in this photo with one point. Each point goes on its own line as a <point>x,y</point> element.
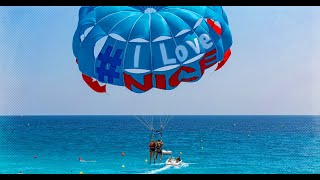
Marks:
<point>208,145</point>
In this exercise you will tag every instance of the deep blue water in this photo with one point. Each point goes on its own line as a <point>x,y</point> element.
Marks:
<point>208,145</point>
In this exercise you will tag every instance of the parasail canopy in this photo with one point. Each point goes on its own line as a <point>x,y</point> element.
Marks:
<point>144,47</point>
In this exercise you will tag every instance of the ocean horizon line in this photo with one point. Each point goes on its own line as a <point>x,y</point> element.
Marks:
<point>160,115</point>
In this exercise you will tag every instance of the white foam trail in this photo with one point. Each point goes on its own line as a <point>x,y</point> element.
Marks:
<point>155,171</point>
<point>158,170</point>
<point>158,164</point>
<point>182,165</point>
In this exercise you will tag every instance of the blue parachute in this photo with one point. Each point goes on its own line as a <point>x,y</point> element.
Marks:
<point>144,47</point>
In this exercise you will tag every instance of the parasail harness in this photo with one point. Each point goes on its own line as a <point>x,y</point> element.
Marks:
<point>148,121</point>
<point>156,133</point>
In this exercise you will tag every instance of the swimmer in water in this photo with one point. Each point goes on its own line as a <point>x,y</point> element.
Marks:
<point>81,160</point>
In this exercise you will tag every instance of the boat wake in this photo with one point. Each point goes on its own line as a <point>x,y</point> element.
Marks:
<point>155,171</point>
<point>182,165</point>
<point>166,167</point>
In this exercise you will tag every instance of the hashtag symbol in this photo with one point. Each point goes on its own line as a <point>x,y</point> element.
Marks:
<point>113,61</point>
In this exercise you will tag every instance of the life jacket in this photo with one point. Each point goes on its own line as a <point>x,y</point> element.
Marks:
<point>152,145</point>
<point>158,145</point>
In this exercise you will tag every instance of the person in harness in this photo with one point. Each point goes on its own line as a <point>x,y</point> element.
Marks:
<point>159,145</point>
<point>152,148</point>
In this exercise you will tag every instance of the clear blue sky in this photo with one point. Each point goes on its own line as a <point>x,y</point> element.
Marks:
<point>274,68</point>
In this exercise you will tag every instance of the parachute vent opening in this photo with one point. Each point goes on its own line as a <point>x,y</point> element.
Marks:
<point>182,32</point>
<point>150,10</point>
<point>82,37</point>
<point>193,59</point>
<point>137,71</point>
<point>139,40</point>
<point>167,68</point>
<point>198,23</point>
<point>161,38</point>
<point>217,24</point>
<point>117,37</point>
<point>98,46</point>
<point>85,33</point>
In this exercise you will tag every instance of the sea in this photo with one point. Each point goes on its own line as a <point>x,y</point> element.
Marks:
<point>247,144</point>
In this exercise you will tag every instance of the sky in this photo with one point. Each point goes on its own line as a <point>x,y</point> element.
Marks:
<point>274,68</point>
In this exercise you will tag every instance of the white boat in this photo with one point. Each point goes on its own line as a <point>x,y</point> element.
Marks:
<point>173,162</point>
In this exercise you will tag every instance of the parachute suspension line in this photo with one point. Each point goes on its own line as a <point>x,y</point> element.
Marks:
<point>159,131</point>
<point>148,120</point>
<point>164,121</point>
<point>151,119</point>
<point>142,121</point>
<point>161,122</point>
<point>167,120</point>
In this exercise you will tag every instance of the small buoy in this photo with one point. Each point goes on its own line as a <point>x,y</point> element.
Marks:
<point>180,152</point>
<point>122,154</point>
<point>146,160</point>
<point>34,156</point>
<point>122,166</point>
<point>81,172</point>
